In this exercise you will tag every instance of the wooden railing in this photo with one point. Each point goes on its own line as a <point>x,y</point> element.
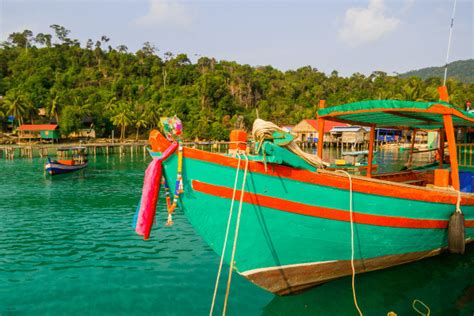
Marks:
<point>465,155</point>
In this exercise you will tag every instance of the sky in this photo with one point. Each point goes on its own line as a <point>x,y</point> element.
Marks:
<point>345,35</point>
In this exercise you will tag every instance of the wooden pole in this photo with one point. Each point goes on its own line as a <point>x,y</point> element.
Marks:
<point>412,147</point>
<point>371,151</point>
<point>322,104</point>
<point>449,127</point>
<point>441,148</point>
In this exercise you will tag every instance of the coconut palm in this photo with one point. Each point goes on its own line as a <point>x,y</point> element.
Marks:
<point>111,105</point>
<point>140,123</point>
<point>15,105</point>
<point>53,109</point>
<point>122,119</point>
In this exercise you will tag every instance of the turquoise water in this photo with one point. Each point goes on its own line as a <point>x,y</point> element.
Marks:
<point>67,247</point>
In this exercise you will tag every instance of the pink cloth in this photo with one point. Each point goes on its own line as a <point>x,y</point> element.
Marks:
<point>150,191</point>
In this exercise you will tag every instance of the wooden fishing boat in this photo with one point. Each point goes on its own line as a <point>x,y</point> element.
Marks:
<point>76,161</point>
<point>296,220</point>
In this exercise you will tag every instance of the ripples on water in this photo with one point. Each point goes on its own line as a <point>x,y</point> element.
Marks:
<point>67,247</point>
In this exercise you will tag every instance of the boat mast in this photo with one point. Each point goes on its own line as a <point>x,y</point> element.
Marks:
<point>449,44</point>
<point>322,105</point>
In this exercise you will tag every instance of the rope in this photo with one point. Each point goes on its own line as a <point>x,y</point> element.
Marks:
<point>226,236</point>
<point>458,201</point>
<point>236,235</point>
<point>263,130</point>
<point>449,43</point>
<point>352,239</point>
<point>428,311</point>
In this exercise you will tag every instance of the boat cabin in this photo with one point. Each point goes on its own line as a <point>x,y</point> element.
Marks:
<point>72,155</point>
<point>451,170</point>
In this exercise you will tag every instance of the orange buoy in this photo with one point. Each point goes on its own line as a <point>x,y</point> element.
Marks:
<point>238,140</point>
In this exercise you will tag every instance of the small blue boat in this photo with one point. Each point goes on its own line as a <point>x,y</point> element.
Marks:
<point>77,161</point>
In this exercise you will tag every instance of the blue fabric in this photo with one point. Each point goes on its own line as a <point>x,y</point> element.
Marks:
<point>466,179</point>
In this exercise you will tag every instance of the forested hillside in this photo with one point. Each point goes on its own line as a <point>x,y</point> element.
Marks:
<point>116,87</point>
<point>462,70</point>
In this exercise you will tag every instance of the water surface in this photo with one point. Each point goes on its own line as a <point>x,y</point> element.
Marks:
<point>67,247</point>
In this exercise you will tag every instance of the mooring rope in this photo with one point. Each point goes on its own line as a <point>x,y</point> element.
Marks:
<point>263,130</point>
<point>236,235</point>
<point>226,235</point>
<point>458,201</point>
<point>352,238</point>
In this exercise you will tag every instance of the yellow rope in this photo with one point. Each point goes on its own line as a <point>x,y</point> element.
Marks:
<point>236,235</point>
<point>263,130</point>
<point>226,236</point>
<point>352,239</point>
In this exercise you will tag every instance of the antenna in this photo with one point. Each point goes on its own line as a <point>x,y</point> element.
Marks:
<point>449,43</point>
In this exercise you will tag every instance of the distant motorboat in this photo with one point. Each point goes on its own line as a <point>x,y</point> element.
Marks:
<point>78,161</point>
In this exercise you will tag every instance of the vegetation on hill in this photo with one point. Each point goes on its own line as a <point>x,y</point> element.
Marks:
<point>462,70</point>
<point>129,92</point>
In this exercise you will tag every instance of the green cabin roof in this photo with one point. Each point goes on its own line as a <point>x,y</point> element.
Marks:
<point>397,114</point>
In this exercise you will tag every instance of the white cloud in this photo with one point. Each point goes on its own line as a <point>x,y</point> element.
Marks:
<point>166,12</point>
<point>363,25</point>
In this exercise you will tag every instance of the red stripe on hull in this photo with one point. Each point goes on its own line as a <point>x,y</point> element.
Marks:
<point>367,186</point>
<point>322,212</point>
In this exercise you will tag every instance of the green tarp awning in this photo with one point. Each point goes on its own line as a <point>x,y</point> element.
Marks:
<point>398,114</point>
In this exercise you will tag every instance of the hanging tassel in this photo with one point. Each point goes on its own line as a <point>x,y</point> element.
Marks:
<point>150,192</point>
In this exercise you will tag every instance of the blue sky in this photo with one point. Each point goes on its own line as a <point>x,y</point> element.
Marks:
<point>347,36</point>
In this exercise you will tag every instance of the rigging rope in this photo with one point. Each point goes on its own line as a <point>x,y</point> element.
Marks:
<point>236,235</point>
<point>226,236</point>
<point>263,130</point>
<point>352,239</point>
<point>449,43</point>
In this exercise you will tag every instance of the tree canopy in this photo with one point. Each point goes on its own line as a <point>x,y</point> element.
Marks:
<point>130,91</point>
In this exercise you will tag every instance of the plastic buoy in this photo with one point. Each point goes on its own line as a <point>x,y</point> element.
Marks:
<point>456,233</point>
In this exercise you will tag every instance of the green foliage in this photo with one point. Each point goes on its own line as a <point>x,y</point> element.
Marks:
<point>71,119</point>
<point>463,70</point>
<point>129,92</point>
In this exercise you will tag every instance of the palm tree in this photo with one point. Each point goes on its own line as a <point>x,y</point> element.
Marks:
<point>15,105</point>
<point>139,123</point>
<point>110,106</point>
<point>122,119</point>
<point>53,109</point>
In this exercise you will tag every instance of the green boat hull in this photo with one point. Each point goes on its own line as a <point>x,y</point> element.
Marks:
<point>295,233</point>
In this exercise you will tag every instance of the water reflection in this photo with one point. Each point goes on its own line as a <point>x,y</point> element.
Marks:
<point>445,283</point>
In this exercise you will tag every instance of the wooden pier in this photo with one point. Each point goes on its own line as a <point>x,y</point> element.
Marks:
<point>92,149</point>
